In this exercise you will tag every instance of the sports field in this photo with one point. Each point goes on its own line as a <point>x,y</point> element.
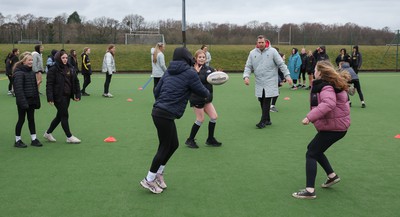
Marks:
<point>253,174</point>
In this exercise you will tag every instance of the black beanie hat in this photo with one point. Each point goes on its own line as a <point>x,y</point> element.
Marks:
<point>181,53</point>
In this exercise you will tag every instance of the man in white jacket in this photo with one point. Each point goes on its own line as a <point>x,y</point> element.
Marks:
<point>264,61</point>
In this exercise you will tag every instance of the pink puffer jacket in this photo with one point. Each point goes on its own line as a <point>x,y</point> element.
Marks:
<point>332,112</point>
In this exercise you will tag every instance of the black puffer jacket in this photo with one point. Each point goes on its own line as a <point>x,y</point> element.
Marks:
<point>56,81</point>
<point>176,85</point>
<point>25,88</point>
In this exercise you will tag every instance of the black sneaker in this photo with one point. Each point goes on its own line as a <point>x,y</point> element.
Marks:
<point>36,143</point>
<point>20,144</point>
<point>263,124</point>
<point>85,94</point>
<point>363,105</point>
<point>330,181</point>
<point>191,143</point>
<point>304,194</point>
<point>213,142</point>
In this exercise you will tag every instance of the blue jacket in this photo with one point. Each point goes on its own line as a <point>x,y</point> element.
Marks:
<point>175,87</point>
<point>294,65</point>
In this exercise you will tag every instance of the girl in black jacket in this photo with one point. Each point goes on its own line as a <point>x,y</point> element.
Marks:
<point>27,98</point>
<point>62,86</point>
<point>203,105</point>
<point>172,94</point>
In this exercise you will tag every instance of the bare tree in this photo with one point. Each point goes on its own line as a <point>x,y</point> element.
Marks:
<point>134,22</point>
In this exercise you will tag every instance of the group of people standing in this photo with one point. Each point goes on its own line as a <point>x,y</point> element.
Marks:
<point>62,85</point>
<point>304,63</point>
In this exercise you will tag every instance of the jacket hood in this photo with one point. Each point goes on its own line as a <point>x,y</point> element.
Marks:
<point>323,48</point>
<point>53,52</point>
<point>57,59</point>
<point>182,54</point>
<point>177,67</point>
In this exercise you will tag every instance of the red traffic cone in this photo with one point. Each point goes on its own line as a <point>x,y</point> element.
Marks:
<point>397,136</point>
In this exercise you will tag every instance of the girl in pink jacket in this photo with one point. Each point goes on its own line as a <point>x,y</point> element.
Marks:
<point>330,114</point>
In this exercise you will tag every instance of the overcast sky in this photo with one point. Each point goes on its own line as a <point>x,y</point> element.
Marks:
<point>368,13</point>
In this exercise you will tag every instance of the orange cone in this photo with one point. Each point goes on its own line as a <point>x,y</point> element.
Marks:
<point>129,100</point>
<point>397,136</point>
<point>110,139</point>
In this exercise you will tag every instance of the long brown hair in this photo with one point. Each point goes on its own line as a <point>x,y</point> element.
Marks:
<point>111,46</point>
<point>330,75</point>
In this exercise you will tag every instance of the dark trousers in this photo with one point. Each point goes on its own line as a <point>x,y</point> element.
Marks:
<point>11,81</point>
<point>274,99</point>
<point>265,103</point>
<point>357,85</point>
<point>156,80</point>
<point>168,142</point>
<point>61,116</point>
<point>315,153</point>
<point>86,81</point>
<point>30,112</point>
<point>107,83</point>
<point>355,68</point>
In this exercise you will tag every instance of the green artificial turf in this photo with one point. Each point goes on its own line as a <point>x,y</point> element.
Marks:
<point>254,173</point>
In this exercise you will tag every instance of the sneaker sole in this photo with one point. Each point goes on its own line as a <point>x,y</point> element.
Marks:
<point>148,188</point>
<point>330,184</point>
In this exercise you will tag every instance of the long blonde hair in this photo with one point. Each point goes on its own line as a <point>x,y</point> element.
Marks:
<point>157,49</point>
<point>22,58</point>
<point>330,75</point>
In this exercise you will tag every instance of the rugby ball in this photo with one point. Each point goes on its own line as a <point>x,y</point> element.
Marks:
<point>217,78</point>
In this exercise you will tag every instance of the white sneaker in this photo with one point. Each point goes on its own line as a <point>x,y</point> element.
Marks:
<point>160,181</point>
<point>109,95</point>
<point>73,140</point>
<point>9,93</point>
<point>49,137</point>
<point>152,186</point>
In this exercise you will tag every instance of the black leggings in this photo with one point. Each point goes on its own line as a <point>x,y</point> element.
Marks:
<point>107,83</point>
<point>265,103</point>
<point>62,116</point>
<point>30,112</point>
<point>168,142</point>
<point>302,75</point>
<point>156,80</point>
<point>315,153</point>
<point>11,82</point>
<point>357,85</point>
<point>86,81</point>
